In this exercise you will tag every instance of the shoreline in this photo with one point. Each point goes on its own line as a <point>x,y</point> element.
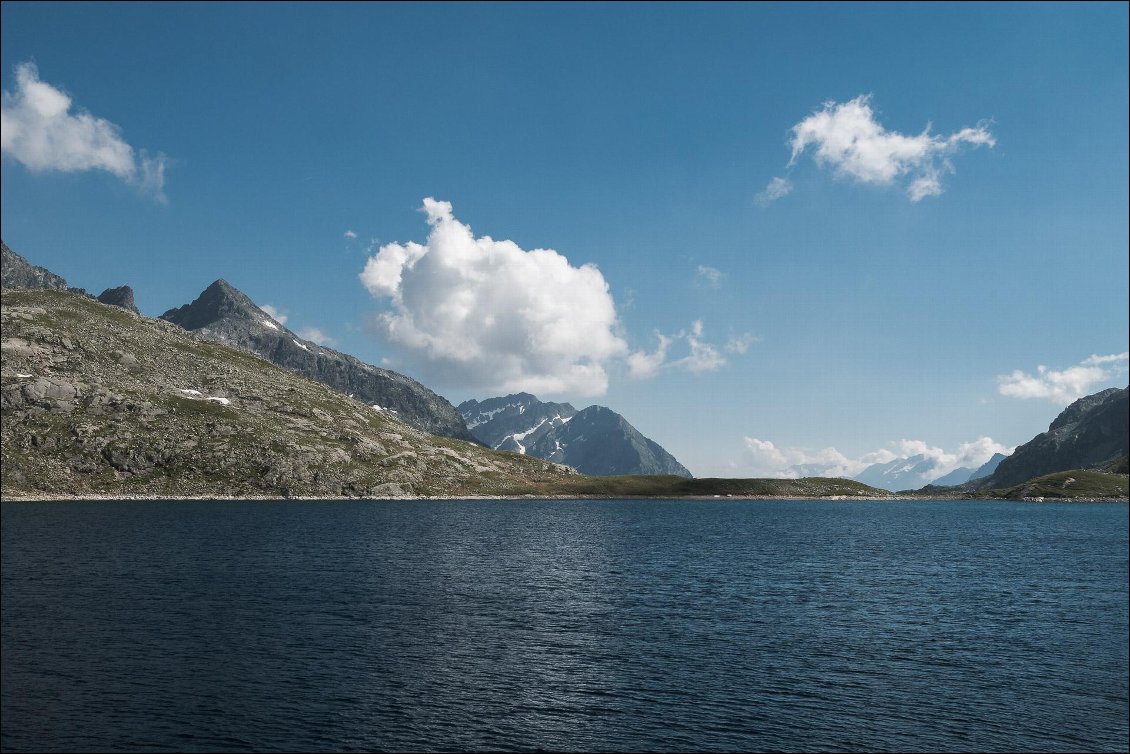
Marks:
<point>58,498</point>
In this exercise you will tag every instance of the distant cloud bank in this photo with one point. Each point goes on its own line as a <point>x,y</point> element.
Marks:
<point>1066,385</point>
<point>39,130</point>
<point>847,138</point>
<point>762,458</point>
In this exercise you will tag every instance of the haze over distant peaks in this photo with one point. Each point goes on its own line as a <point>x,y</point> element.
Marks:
<point>595,440</point>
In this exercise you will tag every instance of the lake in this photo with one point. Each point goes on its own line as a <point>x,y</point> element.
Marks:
<point>564,625</point>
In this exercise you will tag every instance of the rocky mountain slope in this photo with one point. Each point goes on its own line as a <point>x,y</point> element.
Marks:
<point>96,400</point>
<point>17,272</point>
<point>224,314</point>
<point>595,440</point>
<point>1093,432</point>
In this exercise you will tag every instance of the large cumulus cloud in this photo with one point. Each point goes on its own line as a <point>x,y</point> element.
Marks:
<point>488,315</point>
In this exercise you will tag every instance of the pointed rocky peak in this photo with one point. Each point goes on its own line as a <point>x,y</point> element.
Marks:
<point>220,300</point>
<point>122,297</point>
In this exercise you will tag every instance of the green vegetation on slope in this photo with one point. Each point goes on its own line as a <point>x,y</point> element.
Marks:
<point>1078,484</point>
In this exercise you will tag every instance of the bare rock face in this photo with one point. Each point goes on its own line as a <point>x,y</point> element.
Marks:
<point>224,314</point>
<point>1090,433</point>
<point>17,272</point>
<point>122,297</point>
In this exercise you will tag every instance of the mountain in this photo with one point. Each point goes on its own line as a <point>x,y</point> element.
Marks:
<point>959,475</point>
<point>98,401</point>
<point>1093,432</point>
<point>988,467</point>
<point>17,272</point>
<point>224,314</point>
<point>122,296</point>
<point>595,440</point>
<point>899,474</point>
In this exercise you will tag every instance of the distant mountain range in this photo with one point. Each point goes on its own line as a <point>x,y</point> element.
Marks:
<point>917,471</point>
<point>595,440</point>
<point>224,314</point>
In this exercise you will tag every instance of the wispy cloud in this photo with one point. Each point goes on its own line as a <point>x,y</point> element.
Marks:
<point>39,130</point>
<point>848,138</point>
<point>316,335</point>
<point>351,235</point>
<point>274,313</point>
<point>700,356</point>
<point>489,315</point>
<point>777,188</point>
<point>708,276</point>
<point>740,343</point>
<point>1067,385</point>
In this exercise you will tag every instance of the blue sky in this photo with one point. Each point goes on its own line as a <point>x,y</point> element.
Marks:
<point>901,295</point>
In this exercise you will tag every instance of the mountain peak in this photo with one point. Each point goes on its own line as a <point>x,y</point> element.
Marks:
<point>225,314</point>
<point>595,440</point>
<point>220,300</point>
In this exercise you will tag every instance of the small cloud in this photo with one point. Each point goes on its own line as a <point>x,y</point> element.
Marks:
<point>702,356</point>
<point>352,236</point>
<point>39,130</point>
<point>1067,385</point>
<point>274,313</point>
<point>847,138</point>
<point>643,365</point>
<point>740,343</point>
<point>316,335</point>
<point>777,188</point>
<point>709,276</point>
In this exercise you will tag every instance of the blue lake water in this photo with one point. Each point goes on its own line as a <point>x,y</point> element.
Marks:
<point>564,625</point>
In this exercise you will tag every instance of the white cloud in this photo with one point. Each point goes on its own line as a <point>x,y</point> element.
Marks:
<point>38,129</point>
<point>777,188</point>
<point>847,137</point>
<point>351,235</point>
<point>489,315</point>
<point>740,343</point>
<point>709,276</point>
<point>701,356</point>
<point>316,335</point>
<point>643,365</point>
<point>763,458</point>
<point>274,313</point>
<point>1064,386</point>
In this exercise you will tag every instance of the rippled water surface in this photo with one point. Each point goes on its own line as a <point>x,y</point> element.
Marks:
<point>587,625</point>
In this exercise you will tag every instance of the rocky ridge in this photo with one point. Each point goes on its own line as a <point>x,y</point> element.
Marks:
<point>224,314</point>
<point>1091,433</point>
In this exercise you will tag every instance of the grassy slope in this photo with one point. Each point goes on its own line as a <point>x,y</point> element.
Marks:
<point>1079,483</point>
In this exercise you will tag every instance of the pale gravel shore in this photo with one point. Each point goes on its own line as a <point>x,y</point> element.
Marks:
<point>441,498</point>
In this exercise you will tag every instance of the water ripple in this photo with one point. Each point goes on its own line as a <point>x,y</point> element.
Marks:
<point>612,626</point>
